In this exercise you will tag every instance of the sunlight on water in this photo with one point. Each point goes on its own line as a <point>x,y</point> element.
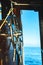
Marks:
<point>32,56</point>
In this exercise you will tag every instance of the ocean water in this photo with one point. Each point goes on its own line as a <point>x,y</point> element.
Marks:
<point>32,56</point>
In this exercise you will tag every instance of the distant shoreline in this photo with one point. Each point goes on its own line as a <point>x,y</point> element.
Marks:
<point>31,47</point>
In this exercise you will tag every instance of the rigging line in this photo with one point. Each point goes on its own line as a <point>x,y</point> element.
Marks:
<point>11,9</point>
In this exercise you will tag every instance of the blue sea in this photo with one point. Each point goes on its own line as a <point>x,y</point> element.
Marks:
<point>32,56</point>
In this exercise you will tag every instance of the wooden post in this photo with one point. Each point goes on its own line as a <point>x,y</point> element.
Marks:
<point>1,61</point>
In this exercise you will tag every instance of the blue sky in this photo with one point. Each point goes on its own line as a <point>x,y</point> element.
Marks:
<point>31,31</point>
<point>0,17</point>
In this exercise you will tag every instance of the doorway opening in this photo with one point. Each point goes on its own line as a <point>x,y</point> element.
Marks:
<point>31,37</point>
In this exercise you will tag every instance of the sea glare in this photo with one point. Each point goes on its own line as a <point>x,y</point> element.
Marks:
<point>32,56</point>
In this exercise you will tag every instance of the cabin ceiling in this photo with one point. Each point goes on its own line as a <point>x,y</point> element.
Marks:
<point>36,5</point>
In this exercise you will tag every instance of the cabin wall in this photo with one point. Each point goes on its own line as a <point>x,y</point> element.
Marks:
<point>41,32</point>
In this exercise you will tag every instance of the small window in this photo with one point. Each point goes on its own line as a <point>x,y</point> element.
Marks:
<point>31,37</point>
